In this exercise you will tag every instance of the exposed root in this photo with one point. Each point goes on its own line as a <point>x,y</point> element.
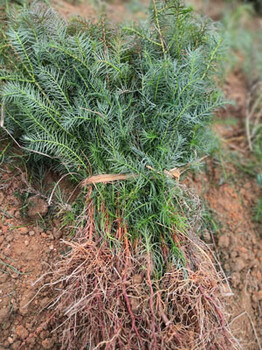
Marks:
<point>110,299</point>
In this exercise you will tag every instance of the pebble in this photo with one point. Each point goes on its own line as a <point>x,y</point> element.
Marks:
<point>9,238</point>
<point>223,242</point>
<point>10,340</point>
<point>43,304</point>
<point>24,302</point>
<point>31,341</point>
<point>57,233</point>
<point>207,236</point>
<point>259,295</point>
<point>254,298</point>
<point>245,256</point>
<point>15,276</point>
<point>3,277</point>
<point>38,229</point>
<point>56,222</point>
<point>29,326</point>
<point>17,214</point>
<point>26,243</point>
<point>233,254</point>
<point>31,233</point>
<point>22,332</point>
<point>7,251</point>
<point>236,279</point>
<point>238,264</point>
<point>44,334</point>
<point>4,312</point>
<point>23,230</point>
<point>243,250</point>
<point>37,207</point>
<point>48,343</point>
<point>2,196</point>
<point>16,345</point>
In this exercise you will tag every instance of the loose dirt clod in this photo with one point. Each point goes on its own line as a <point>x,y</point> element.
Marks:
<point>22,332</point>
<point>37,207</point>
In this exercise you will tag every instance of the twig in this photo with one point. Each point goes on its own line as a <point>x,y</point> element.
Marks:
<point>250,113</point>
<point>2,116</point>
<point>24,148</point>
<point>58,182</point>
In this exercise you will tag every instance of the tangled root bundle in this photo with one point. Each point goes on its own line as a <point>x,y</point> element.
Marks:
<point>112,299</point>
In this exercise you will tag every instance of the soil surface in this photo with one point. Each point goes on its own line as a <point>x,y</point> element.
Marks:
<point>29,245</point>
<point>26,251</point>
<point>231,195</point>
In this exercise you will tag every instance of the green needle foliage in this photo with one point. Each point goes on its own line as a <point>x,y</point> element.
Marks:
<point>99,100</point>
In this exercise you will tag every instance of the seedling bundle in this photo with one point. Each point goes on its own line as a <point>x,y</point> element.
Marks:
<point>122,110</point>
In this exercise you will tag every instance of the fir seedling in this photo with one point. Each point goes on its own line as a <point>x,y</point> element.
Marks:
<point>96,100</point>
<point>122,110</point>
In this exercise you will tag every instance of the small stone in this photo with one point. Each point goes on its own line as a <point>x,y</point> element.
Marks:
<point>25,301</point>
<point>31,233</point>
<point>16,345</point>
<point>236,279</point>
<point>7,251</point>
<point>31,342</point>
<point>239,264</point>
<point>4,229</point>
<point>9,238</point>
<point>14,306</point>
<point>259,295</point>
<point>10,340</point>
<point>223,242</point>
<point>56,222</point>
<point>44,303</point>
<point>29,326</point>
<point>135,303</point>
<point>207,236</point>
<point>4,312</point>
<point>254,298</point>
<point>37,207</point>
<point>22,332</point>
<point>57,233</point>
<point>23,230</point>
<point>3,277</point>
<point>48,343</point>
<point>38,229</point>
<point>17,214</point>
<point>245,256</point>
<point>51,247</point>
<point>137,279</point>
<point>44,334</point>
<point>233,255</point>
<point>259,276</point>
<point>2,196</point>
<point>26,243</point>
<point>243,250</point>
<point>44,235</point>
